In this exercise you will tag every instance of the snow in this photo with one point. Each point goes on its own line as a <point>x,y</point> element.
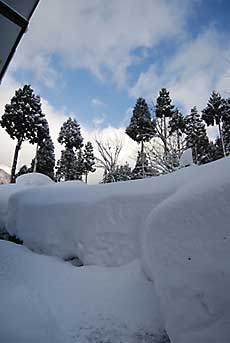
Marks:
<point>186,158</point>
<point>33,179</point>
<point>186,250</point>
<point>6,191</point>
<point>176,224</point>
<point>44,299</point>
<point>101,224</point>
<point>22,183</point>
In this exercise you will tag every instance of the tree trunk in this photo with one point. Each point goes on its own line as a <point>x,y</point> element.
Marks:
<point>15,160</point>
<point>35,159</point>
<point>142,159</point>
<point>86,177</point>
<point>221,139</point>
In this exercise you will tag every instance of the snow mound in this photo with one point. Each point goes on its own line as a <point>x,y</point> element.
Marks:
<point>5,192</point>
<point>186,250</point>
<point>101,224</point>
<point>47,300</point>
<point>33,179</point>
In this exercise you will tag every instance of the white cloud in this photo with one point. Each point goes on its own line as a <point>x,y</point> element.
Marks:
<point>100,36</point>
<point>191,74</point>
<point>95,102</point>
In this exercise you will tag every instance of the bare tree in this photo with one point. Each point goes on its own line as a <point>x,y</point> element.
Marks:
<point>109,152</point>
<point>155,150</point>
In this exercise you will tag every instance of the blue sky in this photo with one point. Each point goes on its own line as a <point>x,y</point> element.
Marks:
<point>76,87</point>
<point>92,59</point>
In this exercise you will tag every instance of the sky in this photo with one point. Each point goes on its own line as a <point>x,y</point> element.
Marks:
<point>92,59</point>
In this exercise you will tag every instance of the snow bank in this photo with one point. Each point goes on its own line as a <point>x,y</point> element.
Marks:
<point>22,183</point>
<point>33,179</point>
<point>101,224</point>
<point>5,192</point>
<point>47,300</point>
<point>186,250</point>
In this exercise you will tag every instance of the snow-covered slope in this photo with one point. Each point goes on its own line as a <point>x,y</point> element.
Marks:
<point>46,300</point>
<point>186,250</point>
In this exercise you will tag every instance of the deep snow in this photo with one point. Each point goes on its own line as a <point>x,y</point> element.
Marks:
<point>177,224</point>
<point>186,251</point>
<point>44,300</point>
<point>101,224</point>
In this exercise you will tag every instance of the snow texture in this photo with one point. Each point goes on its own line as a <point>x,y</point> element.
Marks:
<point>46,300</point>
<point>22,183</point>
<point>101,224</point>
<point>186,250</point>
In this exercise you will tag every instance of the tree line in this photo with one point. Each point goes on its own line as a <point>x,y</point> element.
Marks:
<point>160,129</point>
<point>24,120</point>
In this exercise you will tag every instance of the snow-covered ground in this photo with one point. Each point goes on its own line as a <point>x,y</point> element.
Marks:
<point>177,225</point>
<point>46,300</point>
<point>101,224</point>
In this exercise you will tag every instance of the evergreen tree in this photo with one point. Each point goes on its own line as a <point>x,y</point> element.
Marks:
<point>226,127</point>
<point>89,160</point>
<point>177,126</point>
<point>120,173</point>
<point>141,128</point>
<point>164,111</point>
<point>214,114</point>
<point>148,170</point>
<point>66,166</point>
<point>42,135</point>
<point>196,138</point>
<point>45,158</point>
<point>23,170</point>
<point>80,167</point>
<point>70,166</point>
<point>22,119</point>
<point>70,135</point>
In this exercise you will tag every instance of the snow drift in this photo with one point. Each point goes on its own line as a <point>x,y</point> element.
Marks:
<point>22,182</point>
<point>101,224</point>
<point>186,250</point>
<point>46,300</point>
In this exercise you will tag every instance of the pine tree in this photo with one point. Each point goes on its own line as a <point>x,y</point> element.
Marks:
<point>196,138</point>
<point>22,119</point>
<point>70,166</point>
<point>226,126</point>
<point>141,128</point>
<point>42,135</point>
<point>148,170</point>
<point>23,170</point>
<point>46,158</point>
<point>66,166</point>
<point>214,114</point>
<point>177,126</point>
<point>120,173</point>
<point>80,167</point>
<point>164,110</point>
<point>70,135</point>
<point>89,160</point>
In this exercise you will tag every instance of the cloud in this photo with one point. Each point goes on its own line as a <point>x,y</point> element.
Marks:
<point>99,36</point>
<point>95,102</point>
<point>197,68</point>
<point>56,118</point>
